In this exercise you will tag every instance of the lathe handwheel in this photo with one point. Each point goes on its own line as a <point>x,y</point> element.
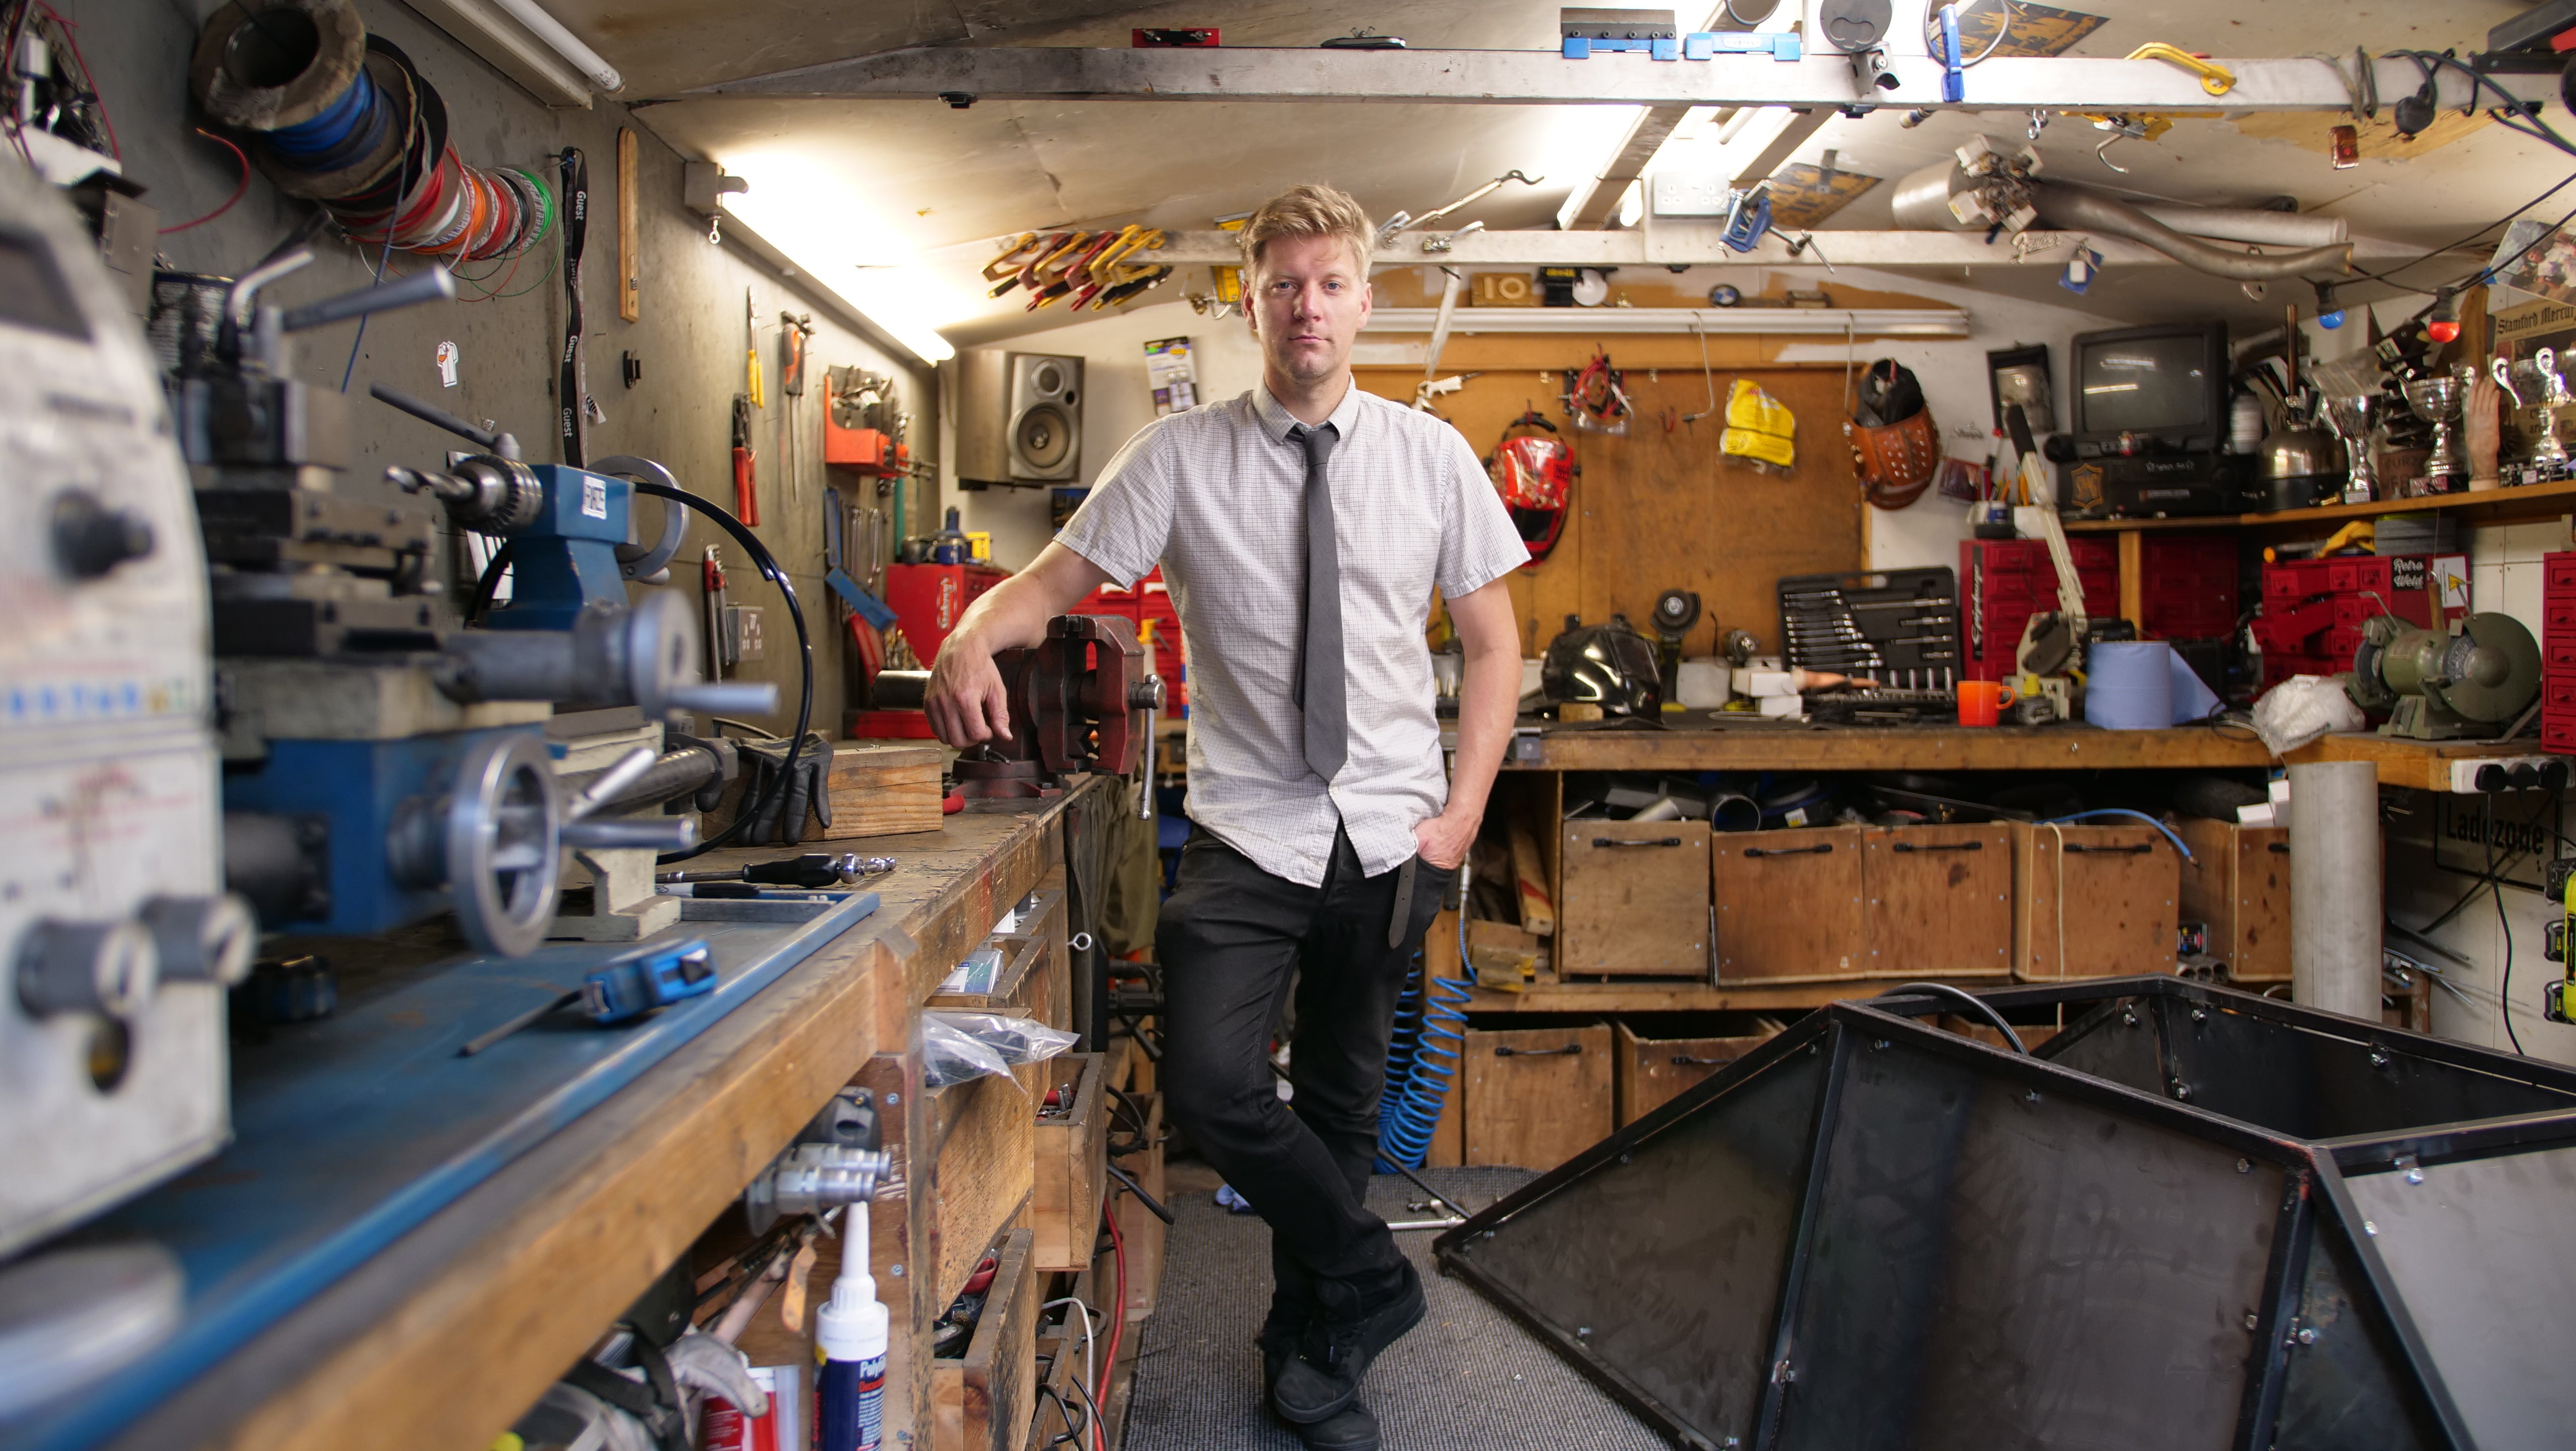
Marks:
<point>503,840</point>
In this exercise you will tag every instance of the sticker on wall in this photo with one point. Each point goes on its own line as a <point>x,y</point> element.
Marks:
<point>447,365</point>
<point>1172,376</point>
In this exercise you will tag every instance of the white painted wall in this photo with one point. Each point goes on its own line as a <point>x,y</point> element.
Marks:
<point>1116,404</point>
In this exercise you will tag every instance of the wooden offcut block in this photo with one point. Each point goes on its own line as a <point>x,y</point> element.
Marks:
<point>1536,1097</point>
<point>2093,901</point>
<point>2240,886</point>
<point>884,789</point>
<point>1069,1150</point>
<point>1140,1230</point>
<point>983,1400</point>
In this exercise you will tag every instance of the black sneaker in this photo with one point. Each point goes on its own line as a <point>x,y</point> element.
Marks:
<point>1324,1378</point>
<point>1352,1428</point>
<point>1292,1309</point>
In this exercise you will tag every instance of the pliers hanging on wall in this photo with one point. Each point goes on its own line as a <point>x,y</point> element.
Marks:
<point>746,493</point>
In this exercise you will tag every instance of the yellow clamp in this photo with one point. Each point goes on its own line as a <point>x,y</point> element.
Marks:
<point>2218,80</point>
<point>2149,126</point>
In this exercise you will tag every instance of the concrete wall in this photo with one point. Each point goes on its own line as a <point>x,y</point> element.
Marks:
<point>690,339</point>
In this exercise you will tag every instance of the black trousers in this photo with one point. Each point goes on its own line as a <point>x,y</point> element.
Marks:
<point>1230,938</point>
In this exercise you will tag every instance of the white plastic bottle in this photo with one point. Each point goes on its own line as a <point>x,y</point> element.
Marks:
<point>850,1334</point>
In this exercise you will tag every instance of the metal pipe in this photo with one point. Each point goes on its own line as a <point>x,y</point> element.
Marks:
<point>2336,890</point>
<point>566,44</point>
<point>2250,224</point>
<point>2073,209</point>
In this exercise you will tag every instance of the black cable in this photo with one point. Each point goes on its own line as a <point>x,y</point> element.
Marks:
<point>1985,1010</point>
<point>1073,1429</point>
<point>488,585</point>
<point>2504,924</point>
<point>767,564</point>
<point>2505,220</point>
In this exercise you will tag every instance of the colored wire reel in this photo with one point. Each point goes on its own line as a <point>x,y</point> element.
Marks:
<point>343,118</point>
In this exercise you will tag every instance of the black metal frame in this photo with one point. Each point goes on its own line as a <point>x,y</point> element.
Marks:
<point>2315,1200</point>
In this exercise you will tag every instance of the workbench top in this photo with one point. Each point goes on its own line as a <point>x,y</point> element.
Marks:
<point>1787,746</point>
<point>444,1338</point>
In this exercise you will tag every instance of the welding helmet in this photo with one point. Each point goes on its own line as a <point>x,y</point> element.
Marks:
<point>1611,666</point>
<point>1534,471</point>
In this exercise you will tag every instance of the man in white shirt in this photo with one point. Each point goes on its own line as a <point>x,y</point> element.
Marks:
<point>1302,528</point>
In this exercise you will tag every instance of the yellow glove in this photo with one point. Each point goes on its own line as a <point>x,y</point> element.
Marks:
<point>1759,426</point>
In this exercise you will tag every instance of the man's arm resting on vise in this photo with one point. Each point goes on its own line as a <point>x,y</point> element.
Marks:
<point>967,701</point>
<point>1488,703</point>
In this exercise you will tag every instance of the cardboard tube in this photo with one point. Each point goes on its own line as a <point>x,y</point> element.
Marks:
<point>2336,889</point>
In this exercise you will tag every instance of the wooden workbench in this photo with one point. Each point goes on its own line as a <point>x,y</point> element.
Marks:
<point>1763,746</point>
<point>446,1338</point>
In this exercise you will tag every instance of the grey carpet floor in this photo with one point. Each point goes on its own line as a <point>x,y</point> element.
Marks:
<point>1466,1379</point>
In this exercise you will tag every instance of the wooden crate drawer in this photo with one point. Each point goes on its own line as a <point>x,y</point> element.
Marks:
<point>1071,1147</point>
<point>2240,887</point>
<point>1789,905</point>
<point>1939,900</point>
<point>2124,883</point>
<point>985,1134</point>
<point>1634,899</point>
<point>1536,1097</point>
<point>984,1399</point>
<point>1652,1072</point>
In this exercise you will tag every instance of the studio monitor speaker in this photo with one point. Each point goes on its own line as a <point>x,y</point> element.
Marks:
<point>1019,419</point>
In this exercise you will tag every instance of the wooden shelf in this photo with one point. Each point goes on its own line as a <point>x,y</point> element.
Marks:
<point>2494,506</point>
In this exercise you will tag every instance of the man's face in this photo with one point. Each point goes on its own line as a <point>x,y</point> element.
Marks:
<point>1309,301</point>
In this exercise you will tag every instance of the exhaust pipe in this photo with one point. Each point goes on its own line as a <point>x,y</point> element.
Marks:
<point>2074,209</point>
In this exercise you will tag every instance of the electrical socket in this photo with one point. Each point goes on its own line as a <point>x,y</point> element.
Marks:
<point>2464,773</point>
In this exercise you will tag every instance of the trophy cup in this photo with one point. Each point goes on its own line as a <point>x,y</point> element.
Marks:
<point>2548,456</point>
<point>2436,399</point>
<point>2350,419</point>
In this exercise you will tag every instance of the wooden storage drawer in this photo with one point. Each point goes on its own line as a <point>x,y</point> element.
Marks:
<point>1633,901</point>
<point>2240,886</point>
<point>1789,905</point>
<point>983,1400</point>
<point>2124,882</point>
<point>1536,1097</point>
<point>1939,900</point>
<point>985,1132</point>
<point>1654,1071</point>
<point>1071,1147</point>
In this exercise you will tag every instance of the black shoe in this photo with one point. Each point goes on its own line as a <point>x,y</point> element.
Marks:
<point>1292,1310</point>
<point>1352,1428</point>
<point>1325,1377</point>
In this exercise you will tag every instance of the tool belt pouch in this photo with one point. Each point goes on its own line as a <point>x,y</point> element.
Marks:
<point>1898,456</point>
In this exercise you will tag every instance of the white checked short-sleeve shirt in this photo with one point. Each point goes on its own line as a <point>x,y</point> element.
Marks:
<point>1217,496</point>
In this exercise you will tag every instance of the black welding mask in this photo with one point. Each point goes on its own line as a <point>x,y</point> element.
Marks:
<point>1611,666</point>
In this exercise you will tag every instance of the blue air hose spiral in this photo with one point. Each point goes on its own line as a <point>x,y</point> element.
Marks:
<point>1422,1061</point>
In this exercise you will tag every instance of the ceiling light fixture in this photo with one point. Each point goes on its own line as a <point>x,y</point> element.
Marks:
<point>794,208</point>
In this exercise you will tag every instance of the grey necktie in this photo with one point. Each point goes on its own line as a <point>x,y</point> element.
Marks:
<point>1323,684</point>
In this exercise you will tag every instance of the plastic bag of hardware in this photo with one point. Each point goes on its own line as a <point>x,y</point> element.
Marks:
<point>2302,708</point>
<point>1016,1040</point>
<point>950,1054</point>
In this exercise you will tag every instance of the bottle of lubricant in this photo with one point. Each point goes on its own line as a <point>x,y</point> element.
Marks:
<point>850,1336</point>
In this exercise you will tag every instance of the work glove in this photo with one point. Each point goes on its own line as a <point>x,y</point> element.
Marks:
<point>710,1367</point>
<point>781,818</point>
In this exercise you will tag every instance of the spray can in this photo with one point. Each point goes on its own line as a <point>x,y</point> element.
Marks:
<point>850,1337</point>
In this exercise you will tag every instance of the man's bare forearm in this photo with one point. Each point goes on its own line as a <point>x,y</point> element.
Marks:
<point>1488,703</point>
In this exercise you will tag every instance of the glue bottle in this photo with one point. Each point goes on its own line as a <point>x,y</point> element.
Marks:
<point>850,1337</point>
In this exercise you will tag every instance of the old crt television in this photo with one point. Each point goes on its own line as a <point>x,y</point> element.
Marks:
<point>2150,423</point>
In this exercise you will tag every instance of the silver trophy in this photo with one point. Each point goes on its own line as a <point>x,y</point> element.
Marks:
<point>2549,456</point>
<point>2436,399</point>
<point>2350,419</point>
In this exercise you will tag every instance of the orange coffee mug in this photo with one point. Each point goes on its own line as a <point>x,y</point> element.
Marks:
<point>1981,702</point>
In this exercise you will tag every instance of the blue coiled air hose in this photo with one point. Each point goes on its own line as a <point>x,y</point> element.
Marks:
<point>1422,1060</point>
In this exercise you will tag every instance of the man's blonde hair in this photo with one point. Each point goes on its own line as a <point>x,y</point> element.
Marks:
<point>1309,210</point>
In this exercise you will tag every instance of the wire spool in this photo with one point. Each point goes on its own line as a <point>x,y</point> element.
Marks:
<point>265,65</point>
<point>336,167</point>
